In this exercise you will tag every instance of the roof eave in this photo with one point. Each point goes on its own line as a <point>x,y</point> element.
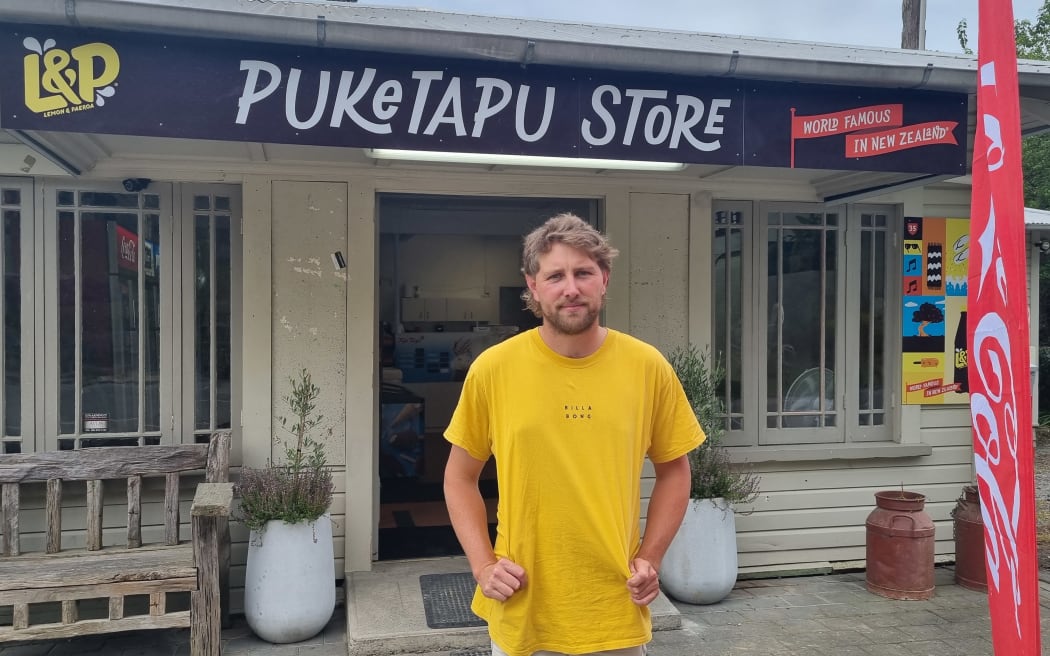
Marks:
<point>440,34</point>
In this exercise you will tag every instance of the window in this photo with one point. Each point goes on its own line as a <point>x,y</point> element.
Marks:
<point>109,294</point>
<point>801,321</point>
<point>15,298</point>
<point>208,327</point>
<point>137,324</point>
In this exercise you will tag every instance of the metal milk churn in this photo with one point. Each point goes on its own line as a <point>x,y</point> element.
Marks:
<point>900,546</point>
<point>969,541</point>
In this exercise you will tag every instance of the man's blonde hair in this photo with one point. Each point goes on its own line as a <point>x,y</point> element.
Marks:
<point>568,229</point>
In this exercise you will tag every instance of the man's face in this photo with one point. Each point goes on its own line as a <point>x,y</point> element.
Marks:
<point>569,288</point>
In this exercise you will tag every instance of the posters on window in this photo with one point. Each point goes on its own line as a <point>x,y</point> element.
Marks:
<point>935,256</point>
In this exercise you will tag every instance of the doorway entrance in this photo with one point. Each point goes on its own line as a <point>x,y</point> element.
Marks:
<point>450,286</point>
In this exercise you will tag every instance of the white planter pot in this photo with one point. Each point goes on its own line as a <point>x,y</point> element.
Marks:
<point>289,582</point>
<point>700,566</point>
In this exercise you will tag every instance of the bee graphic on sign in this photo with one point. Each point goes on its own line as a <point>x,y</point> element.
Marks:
<point>61,81</point>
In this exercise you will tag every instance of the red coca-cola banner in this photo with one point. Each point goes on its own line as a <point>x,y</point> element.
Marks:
<point>1000,391</point>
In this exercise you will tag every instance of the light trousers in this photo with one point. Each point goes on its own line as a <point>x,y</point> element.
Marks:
<point>627,651</point>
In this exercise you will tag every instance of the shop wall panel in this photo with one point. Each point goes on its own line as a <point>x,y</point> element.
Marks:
<point>659,269</point>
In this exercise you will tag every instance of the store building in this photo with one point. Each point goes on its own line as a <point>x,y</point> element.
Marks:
<point>200,199</point>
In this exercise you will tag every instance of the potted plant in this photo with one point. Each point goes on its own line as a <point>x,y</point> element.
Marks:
<point>700,566</point>
<point>289,588</point>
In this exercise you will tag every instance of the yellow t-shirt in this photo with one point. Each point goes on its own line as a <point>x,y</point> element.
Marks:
<point>569,436</point>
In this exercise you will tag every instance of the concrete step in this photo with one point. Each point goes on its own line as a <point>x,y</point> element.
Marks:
<point>385,614</point>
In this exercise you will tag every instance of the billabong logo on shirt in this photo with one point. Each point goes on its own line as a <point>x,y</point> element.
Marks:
<point>578,410</point>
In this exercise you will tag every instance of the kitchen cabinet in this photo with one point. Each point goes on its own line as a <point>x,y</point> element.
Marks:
<point>447,309</point>
<point>424,309</point>
<point>468,309</point>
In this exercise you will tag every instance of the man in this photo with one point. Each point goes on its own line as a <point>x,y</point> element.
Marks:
<point>569,410</point>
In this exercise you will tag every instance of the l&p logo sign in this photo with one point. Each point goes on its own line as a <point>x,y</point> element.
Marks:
<point>60,82</point>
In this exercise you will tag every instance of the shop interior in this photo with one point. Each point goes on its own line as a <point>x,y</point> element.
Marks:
<point>450,286</point>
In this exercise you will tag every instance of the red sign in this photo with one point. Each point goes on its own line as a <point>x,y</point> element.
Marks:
<point>1000,391</point>
<point>127,249</point>
<point>850,120</point>
<point>871,130</point>
<point>890,141</point>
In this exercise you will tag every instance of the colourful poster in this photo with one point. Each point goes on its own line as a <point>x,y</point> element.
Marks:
<point>933,318</point>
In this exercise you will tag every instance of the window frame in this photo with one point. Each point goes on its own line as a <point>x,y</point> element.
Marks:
<point>753,348</point>
<point>39,378</point>
<point>52,374</point>
<point>185,420</point>
<point>28,279</point>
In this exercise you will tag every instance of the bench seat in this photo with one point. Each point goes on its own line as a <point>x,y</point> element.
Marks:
<point>46,591</point>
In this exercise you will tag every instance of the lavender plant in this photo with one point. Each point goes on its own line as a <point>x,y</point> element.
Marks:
<point>300,488</point>
<point>713,475</point>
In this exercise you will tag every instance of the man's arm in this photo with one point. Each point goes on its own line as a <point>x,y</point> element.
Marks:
<point>498,578</point>
<point>666,508</point>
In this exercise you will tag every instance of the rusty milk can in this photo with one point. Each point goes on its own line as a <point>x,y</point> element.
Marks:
<point>900,546</point>
<point>969,541</point>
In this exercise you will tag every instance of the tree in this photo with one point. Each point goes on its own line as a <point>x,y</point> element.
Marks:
<point>1033,42</point>
<point>925,315</point>
<point>1033,37</point>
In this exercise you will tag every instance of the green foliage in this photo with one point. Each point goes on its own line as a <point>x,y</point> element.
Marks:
<point>300,490</point>
<point>1035,162</point>
<point>713,475</point>
<point>964,40</point>
<point>1033,37</point>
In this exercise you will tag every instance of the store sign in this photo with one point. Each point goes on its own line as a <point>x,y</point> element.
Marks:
<point>96,422</point>
<point>127,244</point>
<point>87,81</point>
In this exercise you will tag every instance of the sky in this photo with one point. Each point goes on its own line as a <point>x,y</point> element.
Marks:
<point>871,23</point>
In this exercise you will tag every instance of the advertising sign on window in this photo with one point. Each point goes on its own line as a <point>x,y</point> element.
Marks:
<point>127,244</point>
<point>936,254</point>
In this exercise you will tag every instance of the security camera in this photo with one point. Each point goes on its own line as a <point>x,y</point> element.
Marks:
<point>136,184</point>
<point>1044,246</point>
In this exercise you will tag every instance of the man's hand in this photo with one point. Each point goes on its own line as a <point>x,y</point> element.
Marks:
<point>644,584</point>
<point>501,579</point>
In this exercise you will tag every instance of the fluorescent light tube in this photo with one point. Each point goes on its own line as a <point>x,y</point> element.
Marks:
<point>520,160</point>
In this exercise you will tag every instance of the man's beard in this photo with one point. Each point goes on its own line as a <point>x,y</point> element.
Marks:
<point>583,319</point>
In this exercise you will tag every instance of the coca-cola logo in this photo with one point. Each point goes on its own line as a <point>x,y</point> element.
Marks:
<point>127,249</point>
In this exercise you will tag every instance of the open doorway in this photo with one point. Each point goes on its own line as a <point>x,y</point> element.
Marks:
<point>450,286</point>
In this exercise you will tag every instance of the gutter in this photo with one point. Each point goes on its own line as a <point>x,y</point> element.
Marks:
<point>525,42</point>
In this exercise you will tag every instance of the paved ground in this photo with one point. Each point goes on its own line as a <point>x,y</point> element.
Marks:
<point>829,615</point>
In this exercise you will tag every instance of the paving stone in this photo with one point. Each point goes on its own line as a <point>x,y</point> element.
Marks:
<point>915,618</point>
<point>27,649</point>
<point>813,616</point>
<point>323,650</point>
<point>800,626</point>
<point>76,647</point>
<point>847,650</point>
<point>843,623</point>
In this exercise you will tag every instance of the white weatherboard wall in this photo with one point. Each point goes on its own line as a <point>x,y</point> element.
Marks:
<point>309,301</point>
<point>658,265</point>
<point>295,317</point>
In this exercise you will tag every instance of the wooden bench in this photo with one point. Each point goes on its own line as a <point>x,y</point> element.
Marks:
<point>66,578</point>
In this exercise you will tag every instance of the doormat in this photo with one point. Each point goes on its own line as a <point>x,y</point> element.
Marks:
<point>446,600</point>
